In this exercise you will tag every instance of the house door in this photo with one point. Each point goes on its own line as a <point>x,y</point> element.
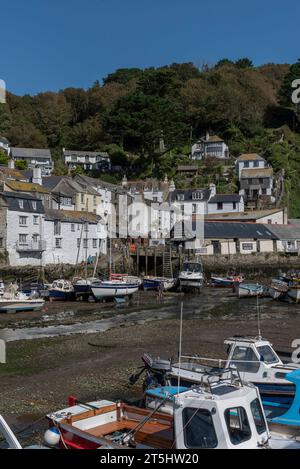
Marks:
<point>216,247</point>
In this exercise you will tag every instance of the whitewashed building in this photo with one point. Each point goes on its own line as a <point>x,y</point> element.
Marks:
<point>88,160</point>
<point>34,157</point>
<point>249,161</point>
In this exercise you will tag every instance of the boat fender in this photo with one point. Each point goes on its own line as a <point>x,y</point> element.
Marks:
<point>52,437</point>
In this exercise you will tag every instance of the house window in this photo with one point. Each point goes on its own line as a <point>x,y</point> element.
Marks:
<point>21,203</point>
<point>269,221</point>
<point>85,243</point>
<point>22,238</point>
<point>246,164</point>
<point>82,198</point>
<point>22,221</point>
<point>78,242</point>
<point>95,243</point>
<point>57,228</point>
<point>234,205</point>
<point>256,164</point>
<point>194,208</point>
<point>35,220</point>
<point>247,246</point>
<point>180,197</point>
<point>86,227</point>
<point>58,242</point>
<point>260,181</point>
<point>72,227</point>
<point>220,206</point>
<point>95,200</point>
<point>34,205</point>
<point>35,238</point>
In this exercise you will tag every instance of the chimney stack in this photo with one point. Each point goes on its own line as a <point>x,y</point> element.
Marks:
<point>37,176</point>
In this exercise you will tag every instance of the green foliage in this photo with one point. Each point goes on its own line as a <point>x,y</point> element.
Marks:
<point>3,158</point>
<point>21,165</point>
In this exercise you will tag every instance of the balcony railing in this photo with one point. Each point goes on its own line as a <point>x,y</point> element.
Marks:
<point>33,246</point>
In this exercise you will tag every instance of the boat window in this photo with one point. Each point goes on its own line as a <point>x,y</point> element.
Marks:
<point>238,425</point>
<point>258,416</point>
<point>246,360</point>
<point>192,267</point>
<point>267,354</point>
<point>199,430</point>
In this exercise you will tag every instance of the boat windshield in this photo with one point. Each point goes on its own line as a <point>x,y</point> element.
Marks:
<point>192,267</point>
<point>258,416</point>
<point>267,355</point>
<point>199,430</point>
<point>238,425</point>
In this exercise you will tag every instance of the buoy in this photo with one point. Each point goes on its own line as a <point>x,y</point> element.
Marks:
<point>52,437</point>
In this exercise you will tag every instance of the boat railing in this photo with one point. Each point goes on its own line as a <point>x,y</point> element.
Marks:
<point>216,360</point>
<point>229,376</point>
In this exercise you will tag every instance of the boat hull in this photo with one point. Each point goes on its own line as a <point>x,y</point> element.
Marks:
<point>16,306</point>
<point>103,290</point>
<point>246,291</point>
<point>294,294</point>
<point>83,290</point>
<point>155,284</point>
<point>58,295</point>
<point>190,282</point>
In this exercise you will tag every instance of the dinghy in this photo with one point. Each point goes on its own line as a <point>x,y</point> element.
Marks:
<point>246,290</point>
<point>157,283</point>
<point>226,282</point>
<point>278,289</point>
<point>219,414</point>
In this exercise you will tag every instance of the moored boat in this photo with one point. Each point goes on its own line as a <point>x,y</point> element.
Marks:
<point>226,282</point>
<point>219,414</point>
<point>278,289</point>
<point>191,276</point>
<point>245,290</point>
<point>113,289</point>
<point>82,287</point>
<point>15,302</point>
<point>61,290</point>
<point>157,283</point>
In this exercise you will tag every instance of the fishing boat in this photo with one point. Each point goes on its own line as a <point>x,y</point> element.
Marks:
<point>278,289</point>
<point>61,290</point>
<point>39,290</point>
<point>254,358</point>
<point>226,282</point>
<point>222,413</point>
<point>102,289</point>
<point>246,290</point>
<point>157,283</point>
<point>191,276</point>
<point>15,302</point>
<point>82,287</point>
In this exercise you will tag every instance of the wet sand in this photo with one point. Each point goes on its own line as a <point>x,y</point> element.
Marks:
<point>95,363</point>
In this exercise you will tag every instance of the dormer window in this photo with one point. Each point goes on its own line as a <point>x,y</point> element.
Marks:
<point>34,205</point>
<point>21,203</point>
<point>180,197</point>
<point>197,196</point>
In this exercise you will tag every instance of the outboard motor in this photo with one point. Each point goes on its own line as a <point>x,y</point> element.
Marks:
<point>156,370</point>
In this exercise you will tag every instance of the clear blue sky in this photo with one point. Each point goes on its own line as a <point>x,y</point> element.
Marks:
<point>52,44</point>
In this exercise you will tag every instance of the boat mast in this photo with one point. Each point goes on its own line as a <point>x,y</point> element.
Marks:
<point>180,346</point>
<point>258,318</point>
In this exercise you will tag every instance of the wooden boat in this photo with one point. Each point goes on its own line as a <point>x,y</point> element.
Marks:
<point>16,302</point>
<point>278,289</point>
<point>61,290</point>
<point>219,414</point>
<point>191,276</point>
<point>127,278</point>
<point>226,282</point>
<point>246,290</point>
<point>113,289</point>
<point>157,283</point>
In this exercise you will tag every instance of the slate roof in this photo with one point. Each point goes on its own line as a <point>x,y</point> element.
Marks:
<point>188,195</point>
<point>94,182</point>
<point>12,173</point>
<point>12,200</point>
<point>227,230</point>
<point>42,153</point>
<point>72,216</point>
<point>243,216</point>
<point>69,187</point>
<point>225,198</point>
<point>286,232</point>
<point>50,182</point>
<point>84,153</point>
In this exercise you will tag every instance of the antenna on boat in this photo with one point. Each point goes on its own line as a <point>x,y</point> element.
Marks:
<point>180,346</point>
<point>258,318</point>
